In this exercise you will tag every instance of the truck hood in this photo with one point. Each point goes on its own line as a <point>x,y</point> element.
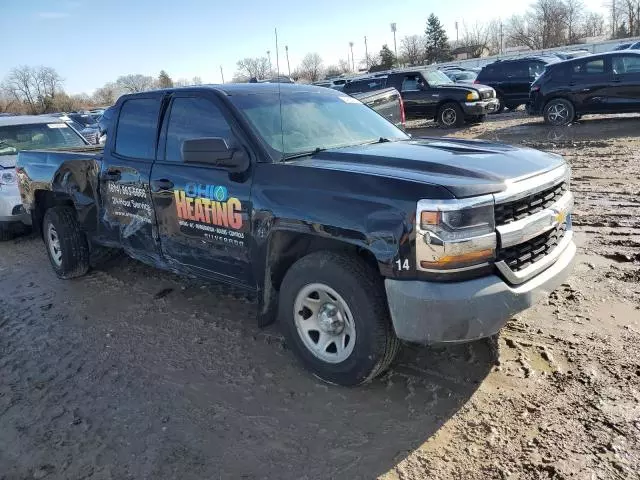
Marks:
<point>465,167</point>
<point>8,161</point>
<point>464,88</point>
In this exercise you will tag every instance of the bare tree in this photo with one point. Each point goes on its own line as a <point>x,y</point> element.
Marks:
<point>593,25</point>
<point>36,87</point>
<point>311,67</point>
<point>630,9</point>
<point>257,67</point>
<point>574,13</point>
<point>475,39</point>
<point>106,95</point>
<point>495,40</point>
<point>134,83</point>
<point>543,26</point>
<point>332,71</point>
<point>412,49</point>
<point>345,66</point>
<point>196,80</point>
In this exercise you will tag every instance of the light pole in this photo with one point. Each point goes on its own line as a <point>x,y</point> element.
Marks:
<point>457,40</point>
<point>221,74</point>
<point>286,49</point>
<point>353,64</point>
<point>366,52</point>
<point>395,48</point>
<point>269,57</point>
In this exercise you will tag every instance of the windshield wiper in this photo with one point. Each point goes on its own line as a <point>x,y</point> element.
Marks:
<point>303,154</point>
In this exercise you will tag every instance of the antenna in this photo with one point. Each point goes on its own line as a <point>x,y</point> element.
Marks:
<point>279,92</point>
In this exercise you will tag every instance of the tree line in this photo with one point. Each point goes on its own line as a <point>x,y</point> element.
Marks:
<point>36,90</point>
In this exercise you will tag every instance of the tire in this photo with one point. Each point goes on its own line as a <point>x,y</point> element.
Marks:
<point>346,291</point>
<point>558,112</point>
<point>66,244</point>
<point>6,233</point>
<point>501,105</point>
<point>450,115</point>
<point>476,119</point>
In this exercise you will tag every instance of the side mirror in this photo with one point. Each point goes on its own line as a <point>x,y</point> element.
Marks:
<point>215,151</point>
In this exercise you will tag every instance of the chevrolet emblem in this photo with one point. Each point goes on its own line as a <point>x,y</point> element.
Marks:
<point>560,217</point>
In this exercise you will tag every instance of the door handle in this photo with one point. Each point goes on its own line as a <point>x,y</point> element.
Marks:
<point>112,174</point>
<point>616,80</point>
<point>161,185</point>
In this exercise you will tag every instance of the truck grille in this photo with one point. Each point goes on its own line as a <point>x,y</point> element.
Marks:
<point>511,211</point>
<point>525,254</point>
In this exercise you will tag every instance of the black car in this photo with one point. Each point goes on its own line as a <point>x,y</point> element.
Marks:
<point>512,79</point>
<point>604,83</point>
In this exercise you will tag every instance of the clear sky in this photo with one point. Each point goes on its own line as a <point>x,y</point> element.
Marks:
<point>92,42</point>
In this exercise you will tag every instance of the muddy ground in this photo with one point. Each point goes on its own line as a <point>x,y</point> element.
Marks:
<point>134,373</point>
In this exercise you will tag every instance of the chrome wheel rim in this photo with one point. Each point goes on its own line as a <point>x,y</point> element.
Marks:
<point>449,116</point>
<point>324,323</point>
<point>558,113</point>
<point>53,241</point>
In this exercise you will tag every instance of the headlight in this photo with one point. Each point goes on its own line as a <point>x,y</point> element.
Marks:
<point>7,177</point>
<point>455,235</point>
<point>471,96</point>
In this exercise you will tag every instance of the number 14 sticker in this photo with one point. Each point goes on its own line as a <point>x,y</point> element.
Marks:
<point>402,264</point>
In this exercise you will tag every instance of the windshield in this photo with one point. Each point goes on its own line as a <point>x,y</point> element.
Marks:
<point>14,138</point>
<point>312,120</point>
<point>435,78</point>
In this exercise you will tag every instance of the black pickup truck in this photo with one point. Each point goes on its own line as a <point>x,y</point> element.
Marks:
<point>353,234</point>
<point>429,94</point>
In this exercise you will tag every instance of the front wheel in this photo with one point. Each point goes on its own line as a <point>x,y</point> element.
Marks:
<point>558,112</point>
<point>66,244</point>
<point>475,119</point>
<point>334,314</point>
<point>450,115</point>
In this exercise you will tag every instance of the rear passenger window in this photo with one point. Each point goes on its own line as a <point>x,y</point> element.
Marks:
<point>193,117</point>
<point>517,69</point>
<point>592,67</point>
<point>536,69</point>
<point>137,125</point>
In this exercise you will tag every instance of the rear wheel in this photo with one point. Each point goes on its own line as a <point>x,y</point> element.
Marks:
<point>450,115</point>
<point>335,317</point>
<point>558,112</point>
<point>66,244</point>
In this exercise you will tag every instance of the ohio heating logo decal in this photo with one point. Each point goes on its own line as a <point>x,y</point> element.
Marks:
<point>208,210</point>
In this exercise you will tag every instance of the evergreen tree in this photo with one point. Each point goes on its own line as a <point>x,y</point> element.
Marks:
<point>436,41</point>
<point>387,58</point>
<point>164,80</point>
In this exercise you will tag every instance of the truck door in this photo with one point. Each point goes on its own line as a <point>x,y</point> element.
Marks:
<point>127,217</point>
<point>203,211</point>
<point>417,101</point>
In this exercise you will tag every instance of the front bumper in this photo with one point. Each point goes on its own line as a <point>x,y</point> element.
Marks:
<point>11,210</point>
<point>430,312</point>
<point>481,107</point>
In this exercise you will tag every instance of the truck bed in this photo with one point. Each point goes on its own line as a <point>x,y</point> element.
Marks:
<point>385,101</point>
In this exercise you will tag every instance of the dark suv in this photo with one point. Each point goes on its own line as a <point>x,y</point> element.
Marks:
<point>512,79</point>
<point>604,83</point>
